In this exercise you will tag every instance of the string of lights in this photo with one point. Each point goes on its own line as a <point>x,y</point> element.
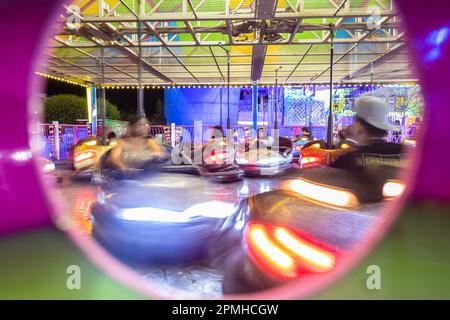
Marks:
<point>49,76</point>
<point>311,85</point>
<point>317,86</point>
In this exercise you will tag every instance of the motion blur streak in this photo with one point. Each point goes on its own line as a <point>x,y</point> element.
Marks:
<point>340,198</point>
<point>319,258</point>
<point>84,156</point>
<point>211,209</point>
<point>272,254</point>
<point>393,189</point>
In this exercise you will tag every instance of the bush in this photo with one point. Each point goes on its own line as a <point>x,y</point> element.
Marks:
<point>68,108</point>
<point>65,108</point>
<point>112,112</point>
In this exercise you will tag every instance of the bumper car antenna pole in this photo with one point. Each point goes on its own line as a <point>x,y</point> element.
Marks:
<point>228,91</point>
<point>276,98</point>
<point>330,114</point>
<point>141,110</point>
<point>228,85</point>
<point>104,136</point>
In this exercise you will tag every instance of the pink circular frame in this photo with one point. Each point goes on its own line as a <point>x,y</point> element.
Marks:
<point>25,47</point>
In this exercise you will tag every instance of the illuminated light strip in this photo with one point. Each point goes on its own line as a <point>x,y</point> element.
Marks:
<point>60,79</point>
<point>315,256</point>
<point>91,143</point>
<point>244,85</point>
<point>269,250</point>
<point>84,156</point>
<point>323,194</point>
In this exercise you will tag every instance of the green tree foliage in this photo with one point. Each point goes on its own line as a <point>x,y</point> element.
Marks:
<point>65,108</point>
<point>157,117</point>
<point>68,108</point>
<point>112,112</point>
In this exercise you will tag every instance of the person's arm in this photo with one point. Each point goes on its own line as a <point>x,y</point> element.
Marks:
<point>155,148</point>
<point>116,156</point>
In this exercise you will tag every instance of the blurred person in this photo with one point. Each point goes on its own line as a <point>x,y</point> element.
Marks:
<point>369,132</point>
<point>306,133</point>
<point>112,138</point>
<point>136,149</point>
<point>397,135</point>
<point>345,135</point>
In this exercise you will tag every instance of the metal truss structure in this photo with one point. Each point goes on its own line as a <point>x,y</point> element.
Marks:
<point>185,42</point>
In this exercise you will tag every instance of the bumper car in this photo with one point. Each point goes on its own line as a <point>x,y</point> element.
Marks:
<point>300,143</point>
<point>264,160</point>
<point>214,161</point>
<point>87,154</point>
<point>49,170</point>
<point>306,236</point>
<point>216,164</point>
<point>161,220</point>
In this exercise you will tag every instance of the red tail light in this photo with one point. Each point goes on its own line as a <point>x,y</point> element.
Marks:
<point>287,253</point>
<point>309,160</point>
<point>218,157</point>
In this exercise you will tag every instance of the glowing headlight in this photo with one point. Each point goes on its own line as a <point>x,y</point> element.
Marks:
<point>268,161</point>
<point>91,143</point>
<point>84,156</point>
<point>393,189</point>
<point>49,167</point>
<point>241,161</point>
<point>324,194</point>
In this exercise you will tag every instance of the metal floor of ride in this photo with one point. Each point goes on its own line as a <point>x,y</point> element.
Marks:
<point>179,191</point>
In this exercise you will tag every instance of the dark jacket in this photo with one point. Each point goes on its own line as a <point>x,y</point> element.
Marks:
<point>378,153</point>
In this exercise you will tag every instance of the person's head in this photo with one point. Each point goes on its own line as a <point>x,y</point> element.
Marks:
<point>261,133</point>
<point>138,127</point>
<point>305,131</point>
<point>371,120</point>
<point>111,135</point>
<point>217,132</point>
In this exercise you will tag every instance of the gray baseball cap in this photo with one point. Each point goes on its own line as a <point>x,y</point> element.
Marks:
<point>375,112</point>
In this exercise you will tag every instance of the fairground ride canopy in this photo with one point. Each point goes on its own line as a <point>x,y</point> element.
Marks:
<point>187,42</point>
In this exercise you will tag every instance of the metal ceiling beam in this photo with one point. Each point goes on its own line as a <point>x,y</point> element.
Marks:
<point>166,45</point>
<point>241,43</point>
<point>192,32</point>
<point>222,28</point>
<point>297,27</point>
<point>244,14</point>
<point>301,60</point>
<point>215,60</point>
<point>394,50</point>
<point>229,32</point>
<point>265,9</point>
<point>258,58</point>
<point>65,45</point>
<point>361,39</point>
<point>77,66</point>
<point>239,55</point>
<point>193,9</point>
<point>133,56</point>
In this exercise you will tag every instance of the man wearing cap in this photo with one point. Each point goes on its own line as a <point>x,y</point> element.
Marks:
<point>369,132</point>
